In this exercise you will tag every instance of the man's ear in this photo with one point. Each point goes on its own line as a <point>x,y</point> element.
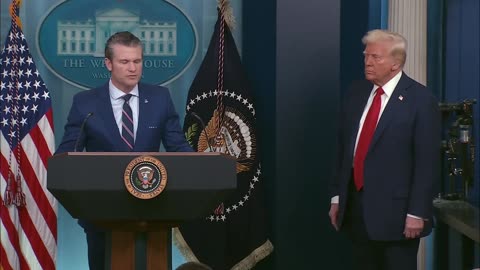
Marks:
<point>396,65</point>
<point>108,64</point>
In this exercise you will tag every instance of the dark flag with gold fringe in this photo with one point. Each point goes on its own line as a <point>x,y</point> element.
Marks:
<point>234,235</point>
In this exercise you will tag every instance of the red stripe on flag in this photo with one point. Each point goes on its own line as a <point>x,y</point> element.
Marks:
<point>13,236</point>
<point>42,146</point>
<point>43,257</point>
<point>38,195</point>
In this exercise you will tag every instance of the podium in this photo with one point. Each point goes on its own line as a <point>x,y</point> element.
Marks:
<point>90,185</point>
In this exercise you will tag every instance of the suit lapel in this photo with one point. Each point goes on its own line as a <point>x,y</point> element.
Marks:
<point>104,107</point>
<point>393,108</point>
<point>143,108</point>
<point>357,110</point>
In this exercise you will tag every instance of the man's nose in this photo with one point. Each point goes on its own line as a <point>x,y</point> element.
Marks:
<point>368,60</point>
<point>132,66</point>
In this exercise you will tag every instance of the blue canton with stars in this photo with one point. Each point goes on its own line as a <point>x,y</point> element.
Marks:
<point>24,99</point>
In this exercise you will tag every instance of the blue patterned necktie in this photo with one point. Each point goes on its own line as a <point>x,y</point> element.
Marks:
<point>127,123</point>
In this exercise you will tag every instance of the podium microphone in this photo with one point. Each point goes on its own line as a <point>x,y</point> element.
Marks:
<point>82,127</point>
<point>196,116</point>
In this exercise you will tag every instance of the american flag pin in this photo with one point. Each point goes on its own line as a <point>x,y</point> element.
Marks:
<point>400,97</point>
<point>145,101</point>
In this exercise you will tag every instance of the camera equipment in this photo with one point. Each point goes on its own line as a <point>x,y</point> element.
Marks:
<point>459,147</point>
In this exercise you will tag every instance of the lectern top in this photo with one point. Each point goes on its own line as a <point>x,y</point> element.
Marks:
<point>145,154</point>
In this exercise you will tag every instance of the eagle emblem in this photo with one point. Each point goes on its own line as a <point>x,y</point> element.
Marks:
<point>145,177</point>
<point>230,129</point>
<point>234,138</point>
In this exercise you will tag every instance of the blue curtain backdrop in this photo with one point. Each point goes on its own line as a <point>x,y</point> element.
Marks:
<point>72,247</point>
<point>462,66</point>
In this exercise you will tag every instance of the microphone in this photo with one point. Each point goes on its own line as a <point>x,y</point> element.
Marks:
<point>196,116</point>
<point>82,127</point>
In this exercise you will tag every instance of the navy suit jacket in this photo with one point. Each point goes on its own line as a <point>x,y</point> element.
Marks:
<point>157,123</point>
<point>402,163</point>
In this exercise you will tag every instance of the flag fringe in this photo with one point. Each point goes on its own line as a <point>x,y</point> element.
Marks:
<point>247,263</point>
<point>182,246</point>
<point>227,13</point>
<point>256,256</point>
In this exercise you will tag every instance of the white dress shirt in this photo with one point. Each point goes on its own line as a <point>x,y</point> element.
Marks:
<point>388,89</point>
<point>117,106</point>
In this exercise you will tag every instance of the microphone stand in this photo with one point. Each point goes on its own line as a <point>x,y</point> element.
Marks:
<point>82,127</point>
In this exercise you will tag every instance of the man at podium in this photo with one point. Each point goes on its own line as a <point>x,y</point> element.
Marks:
<point>120,116</point>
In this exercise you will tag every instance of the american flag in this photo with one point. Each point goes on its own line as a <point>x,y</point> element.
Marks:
<point>28,212</point>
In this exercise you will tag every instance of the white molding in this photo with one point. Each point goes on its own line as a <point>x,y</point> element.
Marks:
<point>409,18</point>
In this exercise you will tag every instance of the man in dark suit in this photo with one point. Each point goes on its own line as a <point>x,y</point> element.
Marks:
<point>122,115</point>
<point>388,160</point>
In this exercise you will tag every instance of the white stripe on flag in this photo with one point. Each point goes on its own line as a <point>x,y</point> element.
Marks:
<point>27,250</point>
<point>7,245</point>
<point>37,218</point>
<point>47,132</point>
<point>40,171</point>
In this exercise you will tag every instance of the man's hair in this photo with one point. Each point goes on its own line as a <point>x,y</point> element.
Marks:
<point>399,44</point>
<point>123,38</point>
<point>193,266</point>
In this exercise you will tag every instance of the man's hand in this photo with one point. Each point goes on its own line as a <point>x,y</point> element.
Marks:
<point>333,213</point>
<point>413,227</point>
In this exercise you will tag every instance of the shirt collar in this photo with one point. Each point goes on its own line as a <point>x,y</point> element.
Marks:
<point>116,93</point>
<point>389,87</point>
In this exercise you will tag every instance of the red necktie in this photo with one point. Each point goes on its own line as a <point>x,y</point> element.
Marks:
<point>366,136</point>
